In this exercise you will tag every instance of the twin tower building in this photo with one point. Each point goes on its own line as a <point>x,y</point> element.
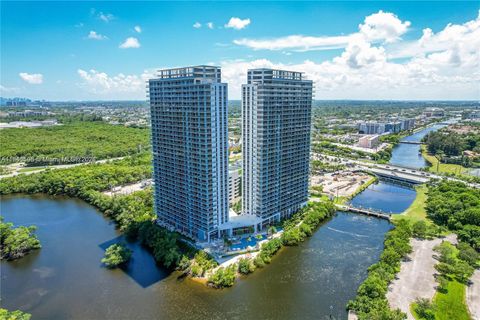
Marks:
<point>189,117</point>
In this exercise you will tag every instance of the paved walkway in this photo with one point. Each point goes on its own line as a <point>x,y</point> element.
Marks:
<point>473,296</point>
<point>416,276</point>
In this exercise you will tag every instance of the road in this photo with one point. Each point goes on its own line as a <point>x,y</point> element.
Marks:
<point>393,169</point>
<point>17,167</point>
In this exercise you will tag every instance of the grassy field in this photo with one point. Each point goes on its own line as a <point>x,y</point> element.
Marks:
<point>451,305</point>
<point>416,211</point>
<point>442,167</point>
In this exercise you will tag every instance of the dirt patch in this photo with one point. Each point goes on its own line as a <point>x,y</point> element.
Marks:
<point>341,184</point>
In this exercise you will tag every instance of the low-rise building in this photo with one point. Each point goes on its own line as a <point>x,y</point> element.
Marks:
<point>369,141</point>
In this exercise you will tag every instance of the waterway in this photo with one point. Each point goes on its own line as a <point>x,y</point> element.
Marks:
<point>408,155</point>
<point>65,279</point>
<point>392,198</point>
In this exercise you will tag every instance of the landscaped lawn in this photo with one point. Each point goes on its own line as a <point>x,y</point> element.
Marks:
<point>442,167</point>
<point>416,211</point>
<point>451,305</point>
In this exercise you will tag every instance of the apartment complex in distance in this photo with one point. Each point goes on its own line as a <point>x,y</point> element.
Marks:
<point>276,120</point>
<point>190,150</point>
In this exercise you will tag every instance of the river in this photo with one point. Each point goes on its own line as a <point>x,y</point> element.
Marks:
<point>65,279</point>
<point>408,155</point>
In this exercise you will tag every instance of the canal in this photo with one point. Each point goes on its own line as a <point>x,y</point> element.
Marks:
<point>408,155</point>
<point>393,198</point>
<point>65,279</point>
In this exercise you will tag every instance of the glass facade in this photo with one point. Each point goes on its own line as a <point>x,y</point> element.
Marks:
<point>276,121</point>
<point>190,150</point>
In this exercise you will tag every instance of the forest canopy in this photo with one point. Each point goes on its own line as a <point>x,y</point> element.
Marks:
<point>70,143</point>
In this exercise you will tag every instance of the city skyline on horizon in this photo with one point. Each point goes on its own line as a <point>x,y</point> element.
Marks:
<point>391,51</point>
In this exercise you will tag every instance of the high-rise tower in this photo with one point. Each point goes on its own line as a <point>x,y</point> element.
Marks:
<point>190,149</point>
<point>276,120</point>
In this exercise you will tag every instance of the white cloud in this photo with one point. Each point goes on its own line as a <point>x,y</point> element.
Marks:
<point>197,25</point>
<point>360,53</point>
<point>210,25</point>
<point>443,65</point>
<point>130,42</point>
<point>237,23</point>
<point>383,26</point>
<point>107,17</point>
<point>380,26</point>
<point>96,36</point>
<point>462,38</point>
<point>118,86</point>
<point>138,29</point>
<point>295,42</point>
<point>4,89</point>
<point>32,78</point>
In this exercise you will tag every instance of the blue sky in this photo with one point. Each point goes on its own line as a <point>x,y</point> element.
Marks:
<point>352,50</point>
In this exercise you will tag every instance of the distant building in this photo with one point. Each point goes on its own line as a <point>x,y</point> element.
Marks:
<point>369,141</point>
<point>276,124</point>
<point>190,150</point>
<point>392,127</point>
<point>234,185</point>
<point>379,127</point>
<point>28,124</point>
<point>29,113</point>
<point>434,113</point>
<point>407,124</point>
<point>471,115</point>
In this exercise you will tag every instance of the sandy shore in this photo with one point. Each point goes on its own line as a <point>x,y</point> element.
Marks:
<point>416,277</point>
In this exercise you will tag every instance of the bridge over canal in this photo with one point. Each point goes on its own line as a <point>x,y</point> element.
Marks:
<point>368,212</point>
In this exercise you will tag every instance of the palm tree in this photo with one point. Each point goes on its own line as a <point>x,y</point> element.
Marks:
<point>439,155</point>
<point>272,230</point>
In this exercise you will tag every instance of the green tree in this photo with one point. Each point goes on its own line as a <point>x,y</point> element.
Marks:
<point>462,271</point>
<point>223,277</point>
<point>246,266</point>
<point>420,229</point>
<point>14,315</point>
<point>468,254</point>
<point>116,255</point>
<point>271,230</point>
<point>17,242</point>
<point>424,308</point>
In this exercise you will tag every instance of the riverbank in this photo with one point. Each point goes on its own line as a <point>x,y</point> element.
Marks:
<point>296,229</point>
<point>416,211</point>
<point>438,167</point>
